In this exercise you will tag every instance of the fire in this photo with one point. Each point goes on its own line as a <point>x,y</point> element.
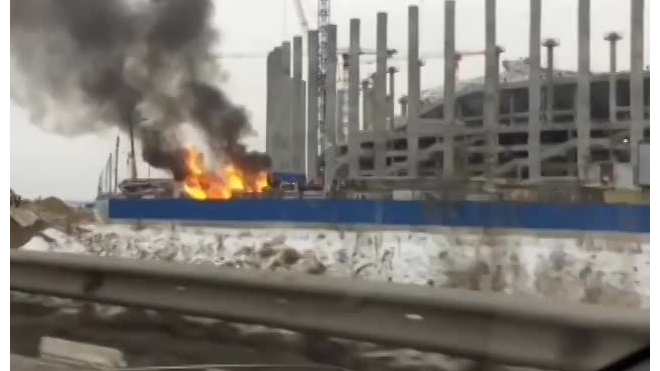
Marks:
<point>204,184</point>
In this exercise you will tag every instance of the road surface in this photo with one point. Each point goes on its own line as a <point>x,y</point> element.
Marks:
<point>149,339</point>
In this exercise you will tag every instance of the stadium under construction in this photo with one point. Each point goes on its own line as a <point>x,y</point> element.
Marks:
<point>524,147</point>
<point>522,123</point>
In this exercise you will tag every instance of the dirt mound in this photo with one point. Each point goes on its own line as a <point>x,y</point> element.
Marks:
<point>57,212</point>
<point>54,205</point>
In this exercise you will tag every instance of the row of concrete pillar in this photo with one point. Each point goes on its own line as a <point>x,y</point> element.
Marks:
<point>288,129</point>
<point>285,111</point>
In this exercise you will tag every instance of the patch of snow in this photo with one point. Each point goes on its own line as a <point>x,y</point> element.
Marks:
<point>37,243</point>
<point>60,242</point>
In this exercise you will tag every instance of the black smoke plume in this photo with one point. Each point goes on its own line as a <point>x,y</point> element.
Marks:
<point>81,66</point>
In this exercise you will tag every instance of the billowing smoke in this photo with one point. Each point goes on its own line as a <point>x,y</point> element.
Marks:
<point>82,66</point>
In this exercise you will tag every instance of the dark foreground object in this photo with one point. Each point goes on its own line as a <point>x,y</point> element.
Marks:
<point>168,340</point>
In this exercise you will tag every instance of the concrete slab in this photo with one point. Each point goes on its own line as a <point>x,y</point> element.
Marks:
<point>22,363</point>
<point>22,216</point>
<point>84,354</point>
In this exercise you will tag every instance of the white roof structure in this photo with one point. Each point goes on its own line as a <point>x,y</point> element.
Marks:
<point>514,71</point>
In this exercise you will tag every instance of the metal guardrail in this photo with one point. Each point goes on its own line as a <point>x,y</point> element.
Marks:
<point>485,326</point>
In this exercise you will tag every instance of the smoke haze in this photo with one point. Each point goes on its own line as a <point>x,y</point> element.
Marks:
<point>80,67</point>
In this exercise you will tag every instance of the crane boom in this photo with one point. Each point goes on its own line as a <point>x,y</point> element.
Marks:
<point>323,21</point>
<point>301,15</point>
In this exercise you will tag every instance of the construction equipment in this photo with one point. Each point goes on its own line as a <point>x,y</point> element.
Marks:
<point>301,15</point>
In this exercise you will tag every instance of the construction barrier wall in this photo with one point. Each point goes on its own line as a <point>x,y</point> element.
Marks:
<point>357,213</point>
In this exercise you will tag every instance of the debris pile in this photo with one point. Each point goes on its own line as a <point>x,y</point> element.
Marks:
<point>20,234</point>
<point>31,218</point>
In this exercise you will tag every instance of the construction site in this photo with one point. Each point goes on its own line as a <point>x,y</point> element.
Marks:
<point>338,249</point>
<point>523,122</point>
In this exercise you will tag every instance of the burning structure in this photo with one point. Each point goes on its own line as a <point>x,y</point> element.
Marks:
<point>202,183</point>
<point>87,66</point>
<point>81,67</point>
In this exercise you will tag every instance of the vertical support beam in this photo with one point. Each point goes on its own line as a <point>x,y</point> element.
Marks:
<point>116,171</point>
<point>298,109</point>
<point>372,104</point>
<point>612,38</point>
<point>449,100</point>
<point>390,98</point>
<point>512,109</point>
<point>271,69</point>
<point>534,127</point>
<point>414,90</point>
<point>583,98</point>
<point>366,105</point>
<point>340,128</point>
<point>108,174</point>
<point>354,99</point>
<point>636,79</point>
<point>380,94</point>
<point>403,101</point>
<point>312,104</point>
<point>491,94</point>
<point>277,106</point>
<point>131,138</point>
<point>300,143</point>
<point>330,123</point>
<point>550,44</point>
<point>286,128</point>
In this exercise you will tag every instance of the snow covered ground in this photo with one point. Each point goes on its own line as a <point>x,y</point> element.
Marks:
<point>611,270</point>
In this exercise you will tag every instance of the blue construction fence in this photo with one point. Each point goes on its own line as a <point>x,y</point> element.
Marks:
<point>534,216</point>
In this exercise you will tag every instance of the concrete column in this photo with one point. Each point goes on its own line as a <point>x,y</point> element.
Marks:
<point>108,174</point>
<point>298,109</point>
<point>390,98</point>
<point>330,148</point>
<point>366,105</point>
<point>550,44</point>
<point>491,98</point>
<point>380,94</point>
<point>414,89</point>
<point>449,100</point>
<point>534,127</point>
<point>636,78</point>
<point>403,101</point>
<point>271,68</point>
<point>512,108</point>
<point>612,38</point>
<point>340,128</point>
<point>372,102</point>
<point>286,129</point>
<point>278,105</point>
<point>354,99</point>
<point>300,146</point>
<point>312,104</point>
<point>583,97</point>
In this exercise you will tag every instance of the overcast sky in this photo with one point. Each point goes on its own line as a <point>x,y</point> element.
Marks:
<point>44,163</point>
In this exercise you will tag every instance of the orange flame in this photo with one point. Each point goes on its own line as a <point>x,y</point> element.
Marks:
<point>203,184</point>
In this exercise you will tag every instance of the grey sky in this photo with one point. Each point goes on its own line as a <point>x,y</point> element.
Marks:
<point>44,163</point>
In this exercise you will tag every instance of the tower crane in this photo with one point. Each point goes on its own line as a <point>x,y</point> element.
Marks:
<point>323,20</point>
